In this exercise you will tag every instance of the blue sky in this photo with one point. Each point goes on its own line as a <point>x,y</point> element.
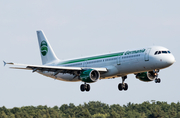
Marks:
<point>82,28</point>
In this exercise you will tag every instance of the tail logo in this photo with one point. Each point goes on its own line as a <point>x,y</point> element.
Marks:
<point>44,48</point>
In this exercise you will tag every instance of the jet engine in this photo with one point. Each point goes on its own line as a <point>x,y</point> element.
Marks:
<point>147,76</point>
<point>89,75</point>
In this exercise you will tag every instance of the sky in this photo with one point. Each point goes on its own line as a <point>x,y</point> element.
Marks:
<point>83,28</point>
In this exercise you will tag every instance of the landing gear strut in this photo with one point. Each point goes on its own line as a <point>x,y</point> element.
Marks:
<point>157,80</point>
<point>85,87</point>
<point>123,86</point>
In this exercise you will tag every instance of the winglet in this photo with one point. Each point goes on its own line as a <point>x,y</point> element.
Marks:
<point>4,63</point>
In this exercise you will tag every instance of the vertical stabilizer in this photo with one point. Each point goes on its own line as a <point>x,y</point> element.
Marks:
<point>47,53</point>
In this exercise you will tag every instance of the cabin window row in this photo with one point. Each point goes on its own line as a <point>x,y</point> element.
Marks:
<point>90,62</point>
<point>110,59</point>
<point>131,56</point>
<point>78,64</point>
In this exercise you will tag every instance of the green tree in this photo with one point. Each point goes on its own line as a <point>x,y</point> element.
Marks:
<point>113,114</point>
<point>99,115</point>
<point>3,114</point>
<point>17,115</point>
<point>82,113</point>
<point>118,109</point>
<point>86,113</point>
<point>132,114</point>
<point>172,113</point>
<point>96,109</point>
<point>157,112</point>
<point>178,115</point>
<point>38,115</point>
<point>11,116</point>
<point>53,113</point>
<point>15,110</point>
<point>55,108</point>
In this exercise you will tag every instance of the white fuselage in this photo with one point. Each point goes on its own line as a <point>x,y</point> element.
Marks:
<point>118,64</point>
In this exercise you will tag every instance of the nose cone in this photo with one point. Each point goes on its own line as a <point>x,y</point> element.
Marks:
<point>170,60</point>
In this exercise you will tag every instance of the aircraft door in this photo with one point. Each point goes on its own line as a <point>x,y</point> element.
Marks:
<point>119,60</point>
<point>146,56</point>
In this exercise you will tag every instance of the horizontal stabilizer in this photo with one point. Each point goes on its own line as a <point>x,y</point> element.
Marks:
<point>20,68</point>
<point>4,63</point>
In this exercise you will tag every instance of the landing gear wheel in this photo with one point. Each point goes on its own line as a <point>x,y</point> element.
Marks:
<point>158,80</point>
<point>126,87</point>
<point>82,87</point>
<point>120,87</point>
<point>87,87</point>
<point>123,86</point>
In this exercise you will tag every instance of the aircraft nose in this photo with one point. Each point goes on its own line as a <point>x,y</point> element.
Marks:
<point>170,60</point>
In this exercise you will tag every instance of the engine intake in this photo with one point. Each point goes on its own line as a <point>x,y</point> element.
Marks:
<point>89,75</point>
<point>146,76</point>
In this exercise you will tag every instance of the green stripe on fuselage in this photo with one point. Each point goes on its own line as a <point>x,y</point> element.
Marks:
<point>92,58</point>
<point>103,56</point>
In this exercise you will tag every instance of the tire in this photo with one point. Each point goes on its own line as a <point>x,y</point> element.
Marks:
<point>159,80</point>
<point>156,80</point>
<point>120,87</point>
<point>82,87</point>
<point>87,87</point>
<point>126,87</point>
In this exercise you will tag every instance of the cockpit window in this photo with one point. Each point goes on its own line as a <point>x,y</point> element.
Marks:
<point>164,52</point>
<point>156,53</point>
<point>159,52</point>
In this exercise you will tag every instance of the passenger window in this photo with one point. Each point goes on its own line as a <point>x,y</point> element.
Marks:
<point>156,53</point>
<point>159,52</point>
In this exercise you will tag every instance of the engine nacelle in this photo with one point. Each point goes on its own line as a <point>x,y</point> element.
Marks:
<point>89,75</point>
<point>146,76</point>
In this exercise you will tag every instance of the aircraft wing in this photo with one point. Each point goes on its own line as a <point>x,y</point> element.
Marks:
<point>57,69</point>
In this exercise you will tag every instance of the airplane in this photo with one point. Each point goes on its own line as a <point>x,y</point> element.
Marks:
<point>144,63</point>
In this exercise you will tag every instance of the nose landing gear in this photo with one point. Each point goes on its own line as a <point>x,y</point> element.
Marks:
<point>123,86</point>
<point>157,80</point>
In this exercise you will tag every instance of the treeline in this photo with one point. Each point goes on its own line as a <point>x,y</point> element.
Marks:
<point>153,109</point>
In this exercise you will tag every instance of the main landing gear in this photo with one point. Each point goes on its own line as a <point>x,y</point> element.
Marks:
<point>157,80</point>
<point>123,86</point>
<point>85,87</point>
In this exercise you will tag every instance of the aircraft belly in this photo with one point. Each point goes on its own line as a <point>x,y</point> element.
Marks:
<point>60,76</point>
<point>67,77</point>
<point>133,66</point>
<point>112,71</point>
